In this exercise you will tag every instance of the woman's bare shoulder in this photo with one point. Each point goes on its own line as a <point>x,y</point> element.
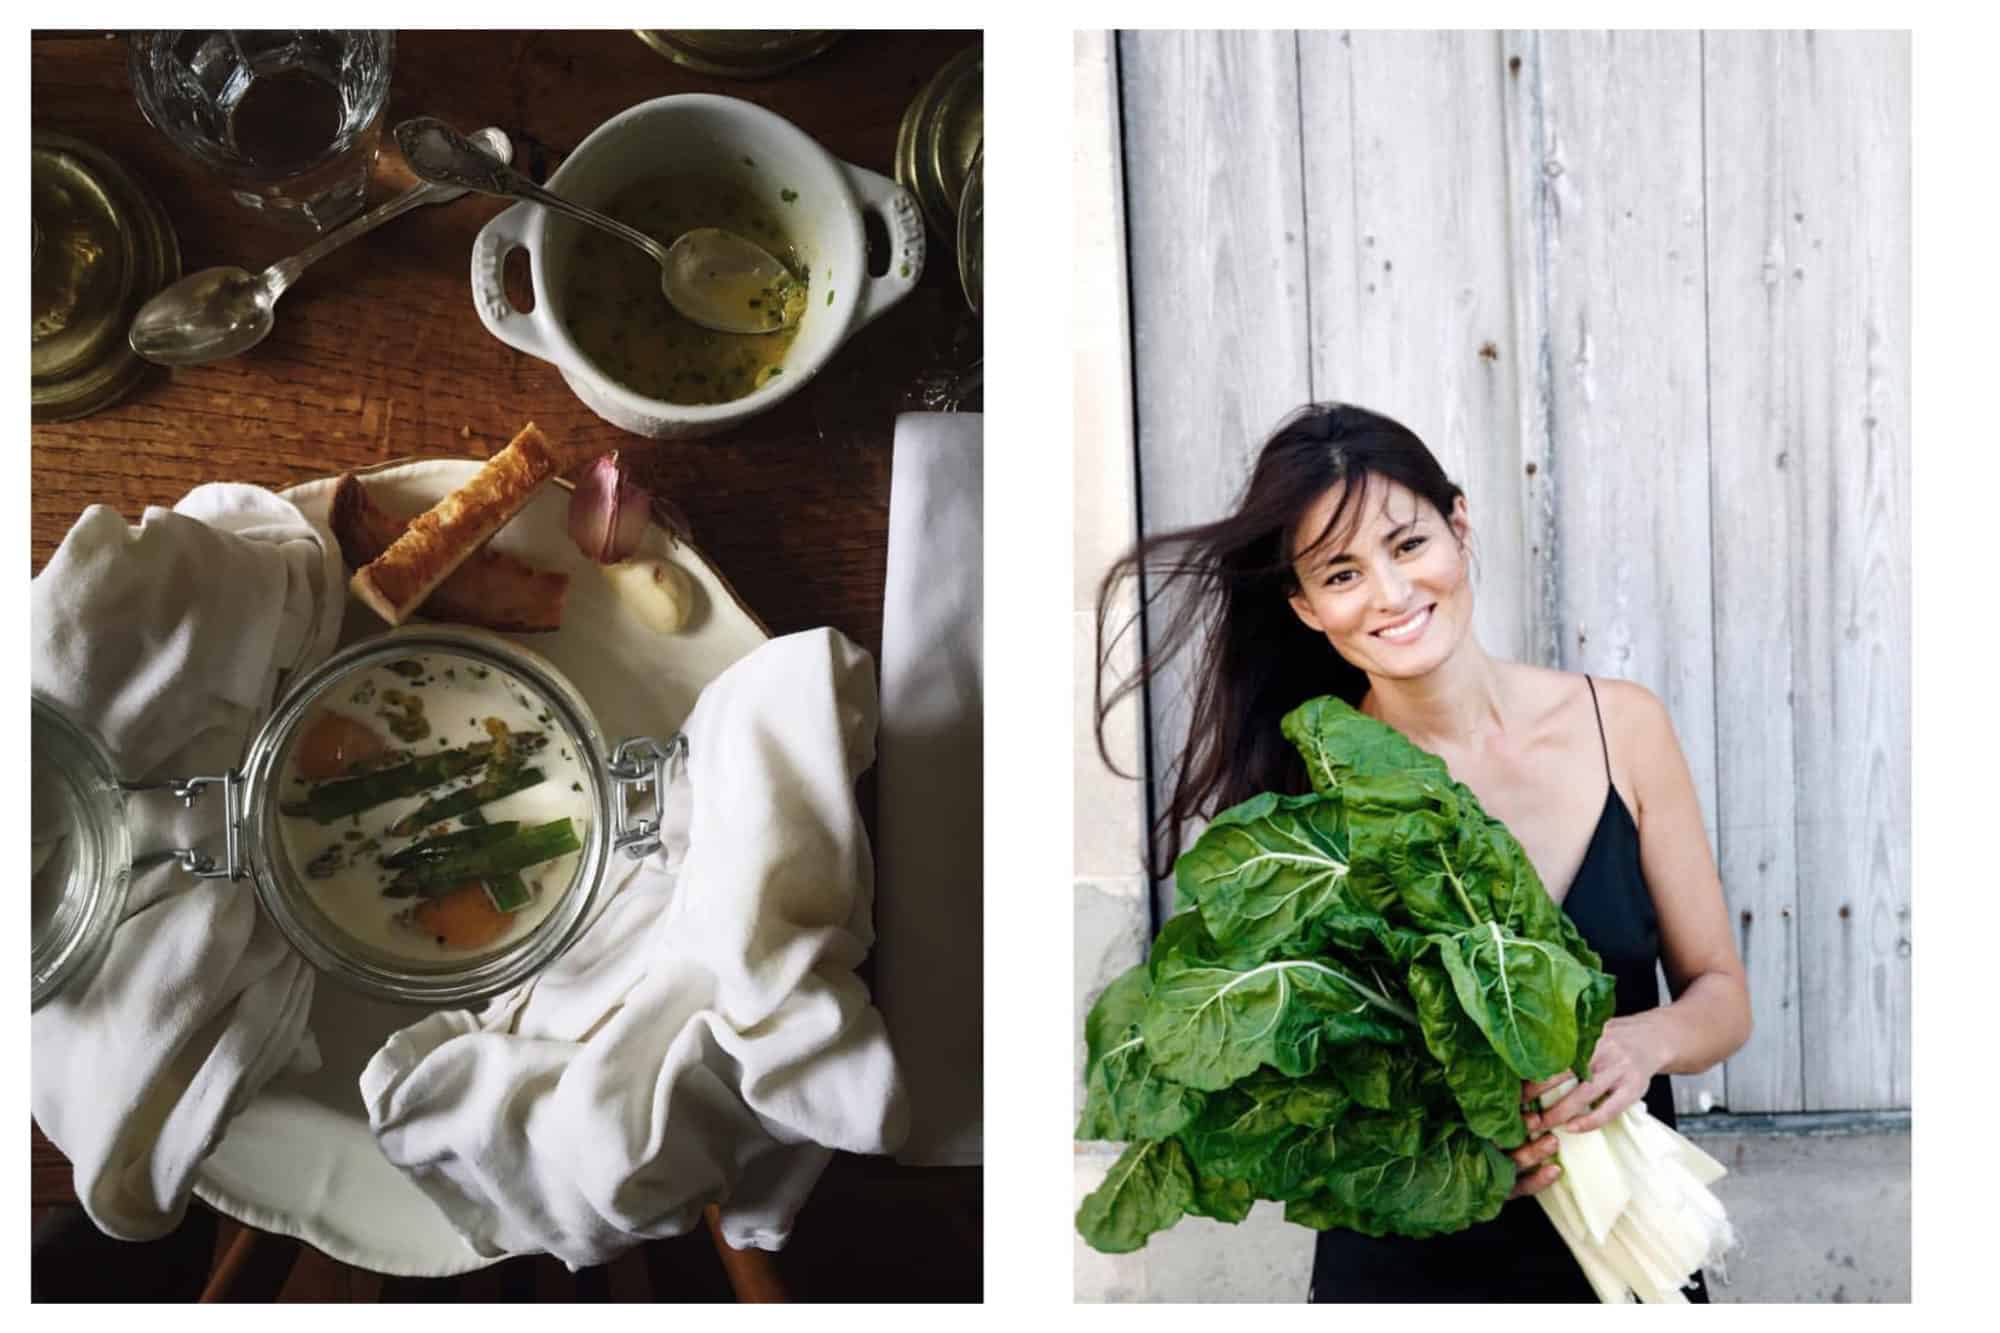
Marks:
<point>1631,708</point>
<point>1622,701</point>
<point>1641,734</point>
<point>1544,692</point>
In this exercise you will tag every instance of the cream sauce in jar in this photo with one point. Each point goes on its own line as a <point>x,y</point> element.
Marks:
<point>438,709</point>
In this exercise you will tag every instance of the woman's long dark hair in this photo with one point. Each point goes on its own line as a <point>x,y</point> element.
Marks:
<point>1225,584</point>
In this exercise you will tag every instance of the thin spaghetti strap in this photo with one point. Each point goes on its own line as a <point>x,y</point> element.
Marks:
<point>1606,745</point>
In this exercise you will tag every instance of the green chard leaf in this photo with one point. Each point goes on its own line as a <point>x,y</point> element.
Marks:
<point>1322,1211</point>
<point>1451,1182</point>
<point>1488,1093</point>
<point>1319,1099</point>
<point>1522,993</point>
<point>1376,1138</point>
<point>1223,1198</point>
<point>1124,1098</point>
<point>1263,870</point>
<point>1405,840</point>
<point>1341,1015</point>
<point>1149,1188</point>
<point>1339,743</point>
<point>1241,1128</point>
<point>1209,1024</point>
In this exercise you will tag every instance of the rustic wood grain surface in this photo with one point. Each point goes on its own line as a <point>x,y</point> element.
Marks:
<point>1411,303</point>
<point>378,354</point>
<point>1220,325</point>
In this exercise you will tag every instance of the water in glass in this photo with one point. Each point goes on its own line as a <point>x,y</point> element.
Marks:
<point>290,119</point>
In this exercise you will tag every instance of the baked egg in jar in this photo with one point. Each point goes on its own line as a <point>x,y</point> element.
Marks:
<point>429,816</point>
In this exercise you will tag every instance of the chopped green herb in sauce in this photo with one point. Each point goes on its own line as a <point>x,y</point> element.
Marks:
<point>614,311</point>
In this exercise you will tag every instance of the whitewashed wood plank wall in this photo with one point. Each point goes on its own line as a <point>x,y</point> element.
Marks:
<point>1647,297</point>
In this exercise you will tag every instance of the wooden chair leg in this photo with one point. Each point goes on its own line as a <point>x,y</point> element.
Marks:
<point>751,1273</point>
<point>253,1267</point>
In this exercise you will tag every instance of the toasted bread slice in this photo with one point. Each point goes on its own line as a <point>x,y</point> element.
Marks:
<point>442,538</point>
<point>490,589</point>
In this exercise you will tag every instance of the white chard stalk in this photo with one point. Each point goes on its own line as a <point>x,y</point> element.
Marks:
<point>1632,1203</point>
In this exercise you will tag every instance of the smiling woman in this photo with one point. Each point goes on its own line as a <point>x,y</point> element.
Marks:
<point>1345,570</point>
<point>1237,584</point>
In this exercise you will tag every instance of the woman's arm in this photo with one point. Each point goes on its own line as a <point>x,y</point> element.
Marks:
<point>1708,1019</point>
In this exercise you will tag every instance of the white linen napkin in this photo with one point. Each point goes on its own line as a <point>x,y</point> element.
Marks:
<point>171,641</point>
<point>928,969</point>
<point>707,1039</point>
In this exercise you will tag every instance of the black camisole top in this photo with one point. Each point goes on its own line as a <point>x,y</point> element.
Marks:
<point>1518,1256</point>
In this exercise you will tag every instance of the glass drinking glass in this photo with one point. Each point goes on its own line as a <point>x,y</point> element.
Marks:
<point>291,120</point>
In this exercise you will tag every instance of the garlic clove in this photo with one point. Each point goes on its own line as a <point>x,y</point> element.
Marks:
<point>661,595</point>
<point>608,512</point>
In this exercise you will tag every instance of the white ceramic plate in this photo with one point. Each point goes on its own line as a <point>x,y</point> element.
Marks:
<point>299,1160</point>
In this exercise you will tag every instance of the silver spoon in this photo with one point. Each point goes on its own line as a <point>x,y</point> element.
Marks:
<point>223,312</point>
<point>716,278</point>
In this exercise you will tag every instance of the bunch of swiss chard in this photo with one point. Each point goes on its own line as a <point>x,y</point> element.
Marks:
<point>1342,1016</point>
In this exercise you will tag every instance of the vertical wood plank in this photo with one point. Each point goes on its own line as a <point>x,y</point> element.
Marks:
<point>1218,282</point>
<point>1845,262</point>
<point>1530,223</point>
<point>1755,358</point>
<point>1620,125</point>
<point>1407,251</point>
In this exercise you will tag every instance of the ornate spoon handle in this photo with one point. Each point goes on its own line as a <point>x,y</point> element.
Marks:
<point>437,152</point>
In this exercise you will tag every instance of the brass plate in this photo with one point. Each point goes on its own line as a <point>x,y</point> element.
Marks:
<point>737,53</point>
<point>972,233</point>
<point>102,248</point>
<point>941,134</point>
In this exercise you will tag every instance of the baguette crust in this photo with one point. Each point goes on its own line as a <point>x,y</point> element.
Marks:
<point>442,538</point>
<point>491,589</point>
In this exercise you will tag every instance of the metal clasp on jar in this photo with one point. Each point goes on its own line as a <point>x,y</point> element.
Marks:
<point>193,859</point>
<point>637,765</point>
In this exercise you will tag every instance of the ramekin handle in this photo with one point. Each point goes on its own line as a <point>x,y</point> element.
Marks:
<point>496,240</point>
<point>905,222</point>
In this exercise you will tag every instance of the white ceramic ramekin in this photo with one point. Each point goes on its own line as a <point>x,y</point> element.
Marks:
<point>702,134</point>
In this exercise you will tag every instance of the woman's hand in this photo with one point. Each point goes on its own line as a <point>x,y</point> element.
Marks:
<point>1626,1058</point>
<point>1536,1171</point>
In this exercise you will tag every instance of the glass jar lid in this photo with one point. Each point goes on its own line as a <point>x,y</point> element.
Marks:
<point>82,848</point>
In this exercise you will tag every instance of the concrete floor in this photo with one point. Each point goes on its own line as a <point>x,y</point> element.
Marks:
<point>1822,1218</point>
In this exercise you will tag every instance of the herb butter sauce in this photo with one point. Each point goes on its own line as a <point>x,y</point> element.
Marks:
<point>613,306</point>
<point>418,707</point>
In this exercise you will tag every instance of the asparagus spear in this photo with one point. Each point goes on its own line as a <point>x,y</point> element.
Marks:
<point>502,782</point>
<point>431,849</point>
<point>526,847</point>
<point>346,796</point>
<point>507,893</point>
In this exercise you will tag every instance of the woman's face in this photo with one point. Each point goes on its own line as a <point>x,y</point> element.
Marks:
<point>1392,593</point>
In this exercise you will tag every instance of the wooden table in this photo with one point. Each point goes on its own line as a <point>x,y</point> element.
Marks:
<point>378,354</point>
